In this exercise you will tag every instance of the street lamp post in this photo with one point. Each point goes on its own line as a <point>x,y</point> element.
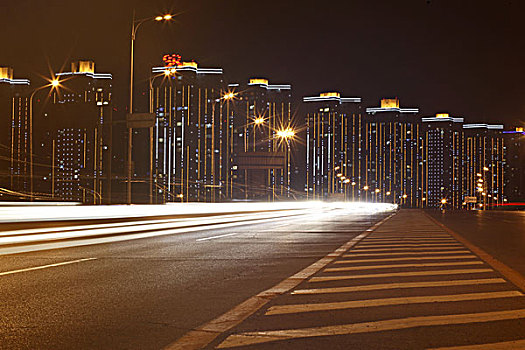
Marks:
<point>135,25</point>
<point>286,134</point>
<point>54,84</point>
<point>167,73</point>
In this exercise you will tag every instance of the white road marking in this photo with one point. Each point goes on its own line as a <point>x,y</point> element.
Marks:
<point>416,258</point>
<point>508,345</point>
<point>45,266</point>
<point>431,250</point>
<point>395,266</point>
<point>201,336</point>
<point>252,338</point>
<point>386,286</point>
<point>215,237</point>
<point>384,245</point>
<point>342,305</point>
<point>400,274</point>
<point>351,255</point>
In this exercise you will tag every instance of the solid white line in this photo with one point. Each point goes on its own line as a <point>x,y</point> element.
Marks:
<point>355,304</point>
<point>352,255</point>
<point>400,274</point>
<point>386,286</point>
<point>508,345</point>
<point>259,337</point>
<point>385,249</point>
<point>45,266</point>
<point>384,245</point>
<point>448,257</point>
<point>214,237</point>
<point>397,266</point>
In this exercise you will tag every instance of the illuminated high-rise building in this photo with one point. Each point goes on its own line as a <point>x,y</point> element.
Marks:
<point>263,140</point>
<point>15,133</point>
<point>444,161</point>
<point>515,161</point>
<point>192,136</point>
<point>484,165</point>
<point>394,145</point>
<point>334,141</point>
<point>78,143</point>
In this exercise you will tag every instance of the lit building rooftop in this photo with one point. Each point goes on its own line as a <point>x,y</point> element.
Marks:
<point>484,126</point>
<point>442,117</point>
<point>87,68</point>
<point>391,105</point>
<point>264,83</point>
<point>6,76</point>
<point>332,96</point>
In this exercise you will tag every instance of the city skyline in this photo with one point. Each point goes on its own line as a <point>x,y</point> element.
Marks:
<point>310,52</point>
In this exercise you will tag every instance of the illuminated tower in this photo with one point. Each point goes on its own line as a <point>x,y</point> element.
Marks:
<point>14,131</point>
<point>515,171</point>
<point>263,141</point>
<point>192,133</point>
<point>484,165</point>
<point>334,142</point>
<point>394,144</point>
<point>78,143</point>
<point>444,169</point>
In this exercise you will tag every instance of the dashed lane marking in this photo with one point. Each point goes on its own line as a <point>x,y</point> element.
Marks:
<point>418,258</point>
<point>342,305</point>
<point>45,266</point>
<point>405,285</point>
<point>252,338</point>
<point>508,345</point>
<point>400,274</point>
<point>395,266</point>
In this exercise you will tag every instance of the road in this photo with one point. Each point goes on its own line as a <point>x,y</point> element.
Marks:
<point>499,233</point>
<point>321,279</point>
<point>146,293</point>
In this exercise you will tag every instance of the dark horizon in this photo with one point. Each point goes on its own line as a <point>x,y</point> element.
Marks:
<point>441,56</point>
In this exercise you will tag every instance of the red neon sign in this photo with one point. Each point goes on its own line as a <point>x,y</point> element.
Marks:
<point>172,60</point>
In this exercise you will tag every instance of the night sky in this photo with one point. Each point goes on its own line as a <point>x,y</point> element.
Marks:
<point>461,56</point>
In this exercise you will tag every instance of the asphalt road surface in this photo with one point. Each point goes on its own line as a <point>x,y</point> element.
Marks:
<point>410,284</point>
<point>499,233</point>
<point>146,293</point>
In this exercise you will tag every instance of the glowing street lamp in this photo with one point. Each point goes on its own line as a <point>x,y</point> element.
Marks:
<point>286,134</point>
<point>54,84</point>
<point>228,96</point>
<point>377,190</point>
<point>259,120</point>
<point>135,25</point>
